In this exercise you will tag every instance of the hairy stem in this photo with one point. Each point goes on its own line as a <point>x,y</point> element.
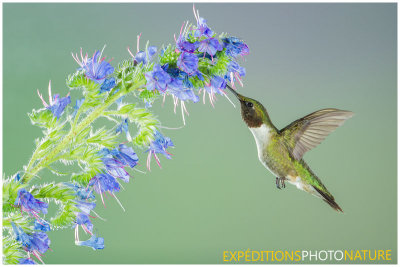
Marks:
<point>29,174</point>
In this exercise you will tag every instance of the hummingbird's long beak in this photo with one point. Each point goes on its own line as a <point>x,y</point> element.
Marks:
<point>234,92</point>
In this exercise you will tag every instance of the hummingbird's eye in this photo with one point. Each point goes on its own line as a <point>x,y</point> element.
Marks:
<point>249,104</point>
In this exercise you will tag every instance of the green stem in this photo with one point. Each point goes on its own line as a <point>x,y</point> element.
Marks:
<point>29,174</point>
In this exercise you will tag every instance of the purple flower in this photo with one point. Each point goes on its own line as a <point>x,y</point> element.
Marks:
<point>81,192</point>
<point>37,243</point>
<point>202,29</point>
<point>125,155</point>
<point>103,182</point>
<point>142,57</point>
<point>185,46</point>
<point>116,169</point>
<point>94,242</point>
<point>159,146</point>
<point>177,89</point>
<point>83,220</point>
<point>217,84</point>
<point>42,226</point>
<point>59,104</point>
<point>107,85</point>
<point>235,47</point>
<point>210,46</point>
<point>17,177</point>
<point>85,207</point>
<point>30,204</point>
<point>78,105</point>
<point>26,261</point>
<point>188,62</point>
<point>157,79</point>
<point>56,104</point>
<point>123,127</point>
<point>40,242</point>
<point>21,236</point>
<point>97,69</point>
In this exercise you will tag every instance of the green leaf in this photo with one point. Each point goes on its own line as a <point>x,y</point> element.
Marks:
<point>21,219</point>
<point>10,193</point>
<point>103,137</point>
<point>42,118</point>
<point>53,192</point>
<point>147,125</point>
<point>12,251</point>
<point>66,216</point>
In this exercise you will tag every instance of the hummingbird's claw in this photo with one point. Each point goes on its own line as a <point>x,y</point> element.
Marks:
<point>280,181</point>
<point>277,183</point>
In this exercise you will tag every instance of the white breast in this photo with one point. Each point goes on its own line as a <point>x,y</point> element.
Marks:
<point>262,136</point>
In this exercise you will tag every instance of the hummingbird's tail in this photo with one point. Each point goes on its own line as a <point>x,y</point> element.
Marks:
<point>328,198</point>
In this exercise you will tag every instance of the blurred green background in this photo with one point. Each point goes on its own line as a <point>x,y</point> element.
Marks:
<point>214,195</point>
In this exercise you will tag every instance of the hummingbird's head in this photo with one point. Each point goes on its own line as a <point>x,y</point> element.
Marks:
<point>253,112</point>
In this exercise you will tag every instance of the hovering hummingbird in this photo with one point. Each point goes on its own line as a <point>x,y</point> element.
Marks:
<point>281,151</point>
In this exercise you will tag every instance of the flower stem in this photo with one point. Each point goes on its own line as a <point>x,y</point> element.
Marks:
<point>29,174</point>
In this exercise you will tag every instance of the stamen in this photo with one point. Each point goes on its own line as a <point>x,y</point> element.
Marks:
<point>118,202</point>
<point>98,216</point>
<point>129,51</point>
<point>194,12</point>
<point>135,169</point>
<point>157,160</point>
<point>183,115</point>
<point>137,42</point>
<point>50,99</point>
<point>41,98</point>
<point>148,161</point>
<point>101,53</point>
<point>238,79</point>
<point>184,107</point>
<point>102,200</point>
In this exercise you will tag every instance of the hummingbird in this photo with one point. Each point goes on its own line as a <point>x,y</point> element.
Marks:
<point>281,151</point>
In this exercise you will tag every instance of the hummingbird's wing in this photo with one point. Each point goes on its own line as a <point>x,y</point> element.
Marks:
<point>306,133</point>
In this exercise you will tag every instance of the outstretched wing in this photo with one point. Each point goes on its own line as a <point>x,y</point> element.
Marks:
<point>306,133</point>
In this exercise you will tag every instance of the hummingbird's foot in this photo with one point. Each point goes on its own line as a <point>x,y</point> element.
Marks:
<point>280,181</point>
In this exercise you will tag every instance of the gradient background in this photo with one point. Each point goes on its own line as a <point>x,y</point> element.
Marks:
<point>215,195</point>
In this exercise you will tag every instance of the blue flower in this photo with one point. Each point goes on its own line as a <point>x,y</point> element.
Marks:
<point>142,57</point>
<point>125,155</point>
<point>202,29</point>
<point>159,146</point>
<point>210,46</point>
<point>188,62</point>
<point>78,105</point>
<point>21,236</point>
<point>42,226</point>
<point>26,261</point>
<point>157,79</point>
<point>81,192</point>
<point>30,204</point>
<point>176,88</point>
<point>59,104</point>
<point>94,242</point>
<point>107,85</point>
<point>123,127</point>
<point>235,47</point>
<point>104,182</point>
<point>97,69</point>
<point>185,46</point>
<point>40,242</point>
<point>217,84</point>
<point>235,71</point>
<point>85,207</point>
<point>37,243</point>
<point>116,169</point>
<point>83,220</point>
<point>17,177</point>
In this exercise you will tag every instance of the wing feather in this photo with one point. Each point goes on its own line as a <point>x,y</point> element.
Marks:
<point>306,133</point>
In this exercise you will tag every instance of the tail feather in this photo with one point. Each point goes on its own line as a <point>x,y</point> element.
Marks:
<point>329,199</point>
